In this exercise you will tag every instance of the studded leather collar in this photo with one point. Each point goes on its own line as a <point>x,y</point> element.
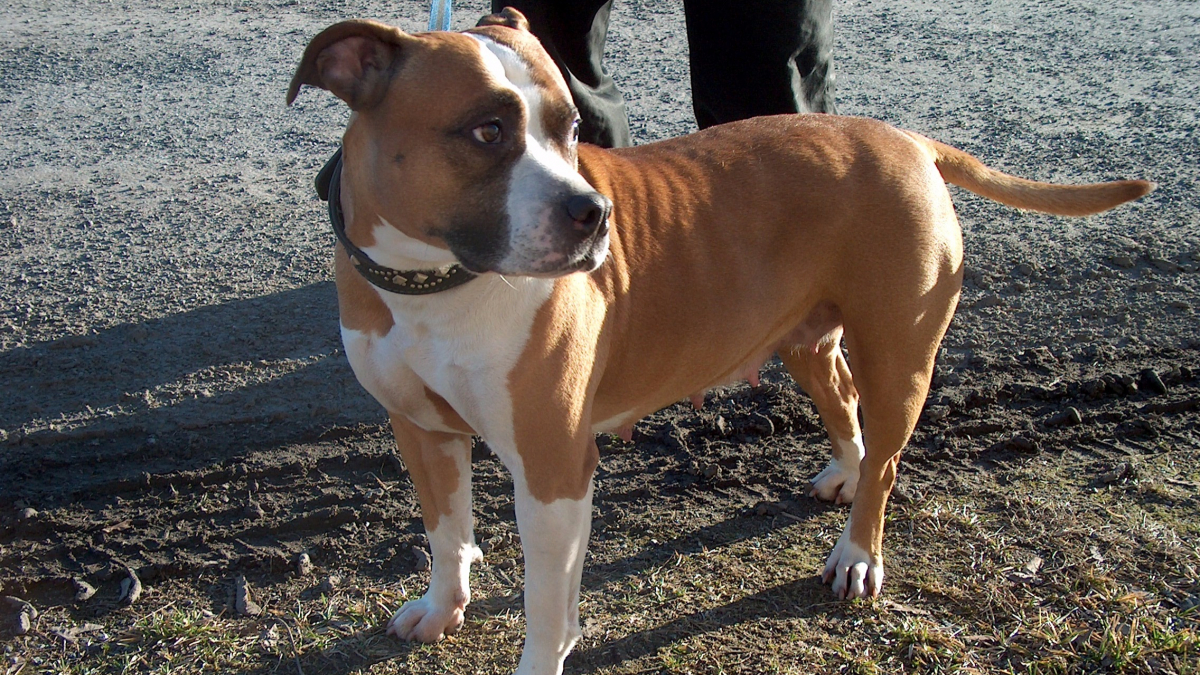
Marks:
<point>404,282</point>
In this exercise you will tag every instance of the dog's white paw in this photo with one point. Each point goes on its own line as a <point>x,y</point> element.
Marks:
<point>852,571</point>
<point>425,620</point>
<point>835,483</point>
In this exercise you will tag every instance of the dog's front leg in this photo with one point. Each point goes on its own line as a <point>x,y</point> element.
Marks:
<point>554,539</point>
<point>440,467</point>
<point>553,490</point>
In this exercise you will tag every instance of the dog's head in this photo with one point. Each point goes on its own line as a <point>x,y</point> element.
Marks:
<point>464,142</point>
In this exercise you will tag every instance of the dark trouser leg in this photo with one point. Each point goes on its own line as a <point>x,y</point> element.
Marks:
<point>573,32</point>
<point>759,57</point>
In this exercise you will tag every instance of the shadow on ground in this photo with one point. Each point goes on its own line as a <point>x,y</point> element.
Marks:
<point>175,393</point>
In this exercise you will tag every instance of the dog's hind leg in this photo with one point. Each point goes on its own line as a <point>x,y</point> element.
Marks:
<point>440,467</point>
<point>823,374</point>
<point>893,340</point>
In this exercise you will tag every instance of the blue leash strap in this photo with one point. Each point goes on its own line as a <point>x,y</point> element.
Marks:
<point>439,14</point>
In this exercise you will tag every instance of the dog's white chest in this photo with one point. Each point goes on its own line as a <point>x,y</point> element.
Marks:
<point>460,345</point>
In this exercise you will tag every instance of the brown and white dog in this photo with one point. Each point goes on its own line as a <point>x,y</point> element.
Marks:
<point>614,283</point>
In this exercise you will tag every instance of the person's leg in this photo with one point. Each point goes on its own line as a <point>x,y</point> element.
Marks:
<point>759,57</point>
<point>573,32</point>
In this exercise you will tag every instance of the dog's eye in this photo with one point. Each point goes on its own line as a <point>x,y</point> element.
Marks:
<point>575,131</point>
<point>488,132</point>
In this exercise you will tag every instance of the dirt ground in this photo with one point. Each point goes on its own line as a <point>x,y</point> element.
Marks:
<point>175,405</point>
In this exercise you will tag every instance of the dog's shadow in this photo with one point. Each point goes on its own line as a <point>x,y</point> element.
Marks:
<point>174,393</point>
<point>805,596</point>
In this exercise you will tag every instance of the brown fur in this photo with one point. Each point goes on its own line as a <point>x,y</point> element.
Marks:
<point>553,428</point>
<point>434,473</point>
<point>961,169</point>
<point>359,306</point>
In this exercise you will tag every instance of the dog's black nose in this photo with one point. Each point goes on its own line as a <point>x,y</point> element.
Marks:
<point>589,212</point>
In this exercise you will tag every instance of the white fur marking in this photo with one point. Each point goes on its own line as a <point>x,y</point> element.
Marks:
<point>393,248</point>
<point>541,177</point>
<point>452,543</point>
<point>613,423</point>
<point>839,480</point>
<point>554,538</point>
<point>851,570</point>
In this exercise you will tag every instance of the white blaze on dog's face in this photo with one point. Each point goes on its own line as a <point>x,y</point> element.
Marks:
<point>557,221</point>
<point>463,143</point>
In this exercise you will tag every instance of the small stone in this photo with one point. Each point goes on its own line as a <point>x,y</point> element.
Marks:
<point>27,513</point>
<point>19,614</point>
<point>1152,381</point>
<point>304,566</point>
<point>3,435</point>
<point>131,587</point>
<point>1127,243</point>
<point>422,560</point>
<point>329,583</point>
<point>1166,266</point>
<point>1022,444</point>
<point>83,590</point>
<point>1122,471</point>
<point>936,414</point>
<point>1123,261</point>
<point>242,603</point>
<point>1024,269</point>
<point>988,301</point>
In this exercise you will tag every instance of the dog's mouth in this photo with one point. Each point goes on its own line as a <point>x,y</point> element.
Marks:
<point>586,257</point>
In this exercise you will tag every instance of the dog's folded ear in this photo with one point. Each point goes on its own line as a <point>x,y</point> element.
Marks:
<point>506,17</point>
<point>354,60</point>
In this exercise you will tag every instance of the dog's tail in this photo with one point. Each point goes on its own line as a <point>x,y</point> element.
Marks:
<point>965,171</point>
